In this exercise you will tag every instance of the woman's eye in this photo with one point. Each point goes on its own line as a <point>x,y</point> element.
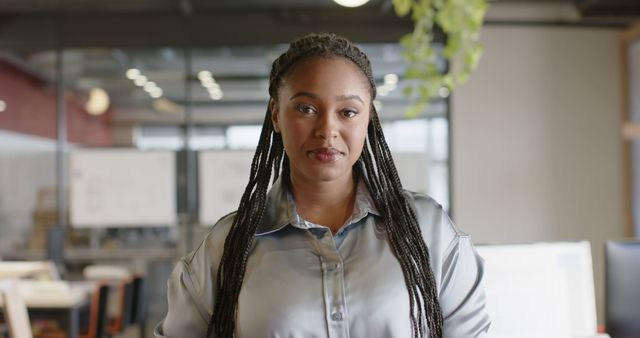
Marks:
<point>349,113</point>
<point>306,109</point>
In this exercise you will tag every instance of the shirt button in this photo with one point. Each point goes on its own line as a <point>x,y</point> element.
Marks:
<point>332,266</point>
<point>336,316</point>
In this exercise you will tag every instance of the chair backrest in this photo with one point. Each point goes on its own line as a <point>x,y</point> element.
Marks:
<point>98,312</point>
<point>127,304</point>
<point>119,306</point>
<point>15,310</point>
<point>101,272</point>
<point>138,308</point>
<point>103,318</point>
<point>623,288</point>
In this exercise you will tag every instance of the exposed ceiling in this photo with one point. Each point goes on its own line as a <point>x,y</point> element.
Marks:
<point>28,6</point>
<point>227,22</point>
<point>624,8</point>
<point>191,7</point>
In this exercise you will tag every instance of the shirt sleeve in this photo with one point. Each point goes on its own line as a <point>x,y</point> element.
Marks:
<point>462,296</point>
<point>186,314</point>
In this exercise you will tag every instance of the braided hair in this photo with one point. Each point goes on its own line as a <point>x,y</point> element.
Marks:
<point>375,166</point>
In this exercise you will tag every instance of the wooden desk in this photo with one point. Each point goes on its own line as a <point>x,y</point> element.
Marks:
<point>21,269</point>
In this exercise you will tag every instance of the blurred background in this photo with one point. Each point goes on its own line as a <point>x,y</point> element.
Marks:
<point>127,127</point>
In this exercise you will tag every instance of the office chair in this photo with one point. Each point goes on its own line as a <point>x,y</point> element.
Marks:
<point>139,306</point>
<point>125,299</point>
<point>97,313</point>
<point>623,288</point>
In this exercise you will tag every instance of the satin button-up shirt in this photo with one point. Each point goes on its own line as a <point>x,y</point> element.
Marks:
<point>302,281</point>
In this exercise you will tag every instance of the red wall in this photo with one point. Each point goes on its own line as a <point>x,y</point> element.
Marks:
<point>31,109</point>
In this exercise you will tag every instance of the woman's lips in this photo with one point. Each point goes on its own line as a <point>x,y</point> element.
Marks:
<point>325,154</point>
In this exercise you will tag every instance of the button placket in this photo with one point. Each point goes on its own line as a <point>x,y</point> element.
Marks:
<point>333,282</point>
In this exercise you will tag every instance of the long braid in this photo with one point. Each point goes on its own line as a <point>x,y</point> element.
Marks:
<point>377,169</point>
<point>239,241</point>
<point>406,241</point>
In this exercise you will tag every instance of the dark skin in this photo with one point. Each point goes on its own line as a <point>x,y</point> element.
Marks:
<point>322,112</point>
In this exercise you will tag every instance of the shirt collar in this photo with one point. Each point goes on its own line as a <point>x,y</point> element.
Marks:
<point>280,209</point>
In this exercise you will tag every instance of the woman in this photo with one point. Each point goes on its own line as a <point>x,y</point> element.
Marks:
<point>336,248</point>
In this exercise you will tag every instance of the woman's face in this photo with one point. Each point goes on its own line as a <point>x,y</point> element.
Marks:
<point>322,113</point>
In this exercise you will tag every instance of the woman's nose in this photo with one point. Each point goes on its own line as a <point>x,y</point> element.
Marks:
<point>326,126</point>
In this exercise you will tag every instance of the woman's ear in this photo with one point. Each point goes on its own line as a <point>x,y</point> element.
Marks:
<point>273,107</point>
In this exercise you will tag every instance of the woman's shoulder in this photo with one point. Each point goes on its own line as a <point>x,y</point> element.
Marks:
<point>201,264</point>
<point>423,201</point>
<point>433,218</point>
<point>190,290</point>
<point>213,242</point>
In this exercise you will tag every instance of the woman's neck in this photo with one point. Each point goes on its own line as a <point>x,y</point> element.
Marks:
<point>325,203</point>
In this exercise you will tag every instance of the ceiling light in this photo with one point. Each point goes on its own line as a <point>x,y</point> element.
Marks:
<point>351,3</point>
<point>216,95</point>
<point>98,102</point>
<point>211,85</point>
<point>3,106</point>
<point>444,92</point>
<point>140,81</point>
<point>149,86</point>
<point>391,79</point>
<point>204,74</point>
<point>156,92</point>
<point>207,81</point>
<point>133,73</point>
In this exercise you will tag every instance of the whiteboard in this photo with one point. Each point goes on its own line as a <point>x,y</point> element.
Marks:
<point>122,188</point>
<point>540,290</point>
<point>222,176</point>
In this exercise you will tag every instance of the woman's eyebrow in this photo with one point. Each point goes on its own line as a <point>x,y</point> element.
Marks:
<point>349,97</point>
<point>307,94</point>
<point>316,97</point>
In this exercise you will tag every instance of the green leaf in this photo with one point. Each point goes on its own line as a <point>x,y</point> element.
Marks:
<point>453,46</point>
<point>413,73</point>
<point>448,82</point>
<point>402,7</point>
<point>415,110</point>
<point>461,21</point>
<point>473,57</point>
<point>463,76</point>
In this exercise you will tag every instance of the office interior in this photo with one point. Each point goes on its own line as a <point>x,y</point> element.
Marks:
<point>536,149</point>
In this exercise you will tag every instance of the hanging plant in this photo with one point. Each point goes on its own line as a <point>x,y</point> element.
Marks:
<point>461,21</point>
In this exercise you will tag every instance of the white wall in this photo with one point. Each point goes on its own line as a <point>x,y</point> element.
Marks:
<point>536,149</point>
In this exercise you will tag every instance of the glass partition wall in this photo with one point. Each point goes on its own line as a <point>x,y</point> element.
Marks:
<point>27,147</point>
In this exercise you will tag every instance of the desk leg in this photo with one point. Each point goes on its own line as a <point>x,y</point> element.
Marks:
<point>74,322</point>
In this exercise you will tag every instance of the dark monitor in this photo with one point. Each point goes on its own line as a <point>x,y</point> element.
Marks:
<point>623,288</point>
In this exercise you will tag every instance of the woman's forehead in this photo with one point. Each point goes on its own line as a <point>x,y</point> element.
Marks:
<point>326,69</point>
